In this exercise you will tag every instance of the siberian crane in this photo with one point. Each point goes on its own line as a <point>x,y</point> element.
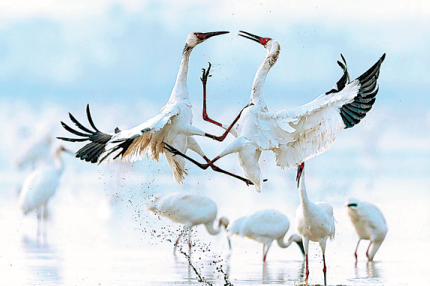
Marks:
<point>265,226</point>
<point>173,126</point>
<point>297,134</point>
<point>39,187</point>
<point>189,210</point>
<point>369,223</point>
<point>315,221</point>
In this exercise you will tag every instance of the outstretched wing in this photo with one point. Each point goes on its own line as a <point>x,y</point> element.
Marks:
<point>315,124</point>
<point>128,144</point>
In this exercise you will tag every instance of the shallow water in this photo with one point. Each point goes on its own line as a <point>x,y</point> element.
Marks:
<point>94,241</point>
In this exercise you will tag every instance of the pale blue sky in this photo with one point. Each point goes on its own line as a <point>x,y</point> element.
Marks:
<point>56,56</point>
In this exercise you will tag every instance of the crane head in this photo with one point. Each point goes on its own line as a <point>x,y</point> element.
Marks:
<point>223,221</point>
<point>352,203</point>
<point>258,39</point>
<point>62,149</point>
<point>196,38</point>
<point>300,172</point>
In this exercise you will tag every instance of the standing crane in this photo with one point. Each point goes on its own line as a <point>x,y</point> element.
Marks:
<point>315,221</point>
<point>369,223</point>
<point>189,210</point>
<point>173,126</point>
<point>297,134</point>
<point>265,226</point>
<point>39,187</point>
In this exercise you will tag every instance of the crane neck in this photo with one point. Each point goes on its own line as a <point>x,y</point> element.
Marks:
<point>213,231</point>
<point>180,90</point>
<point>58,161</point>
<point>257,96</point>
<point>302,189</point>
<point>282,243</point>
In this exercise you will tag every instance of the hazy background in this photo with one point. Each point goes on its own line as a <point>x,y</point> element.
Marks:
<point>122,59</point>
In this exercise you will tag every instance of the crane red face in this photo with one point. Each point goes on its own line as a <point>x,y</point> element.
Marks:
<point>205,36</point>
<point>300,172</point>
<point>255,38</point>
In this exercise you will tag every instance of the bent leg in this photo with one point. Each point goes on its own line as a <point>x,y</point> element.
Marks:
<point>194,146</point>
<point>206,117</point>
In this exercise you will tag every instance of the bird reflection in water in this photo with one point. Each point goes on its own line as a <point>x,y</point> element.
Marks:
<point>42,261</point>
<point>372,271</point>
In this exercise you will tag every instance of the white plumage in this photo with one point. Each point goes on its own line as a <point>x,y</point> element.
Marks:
<point>369,224</point>
<point>172,126</point>
<point>189,210</point>
<point>35,151</point>
<point>298,134</point>
<point>40,186</point>
<point>315,221</point>
<point>265,226</point>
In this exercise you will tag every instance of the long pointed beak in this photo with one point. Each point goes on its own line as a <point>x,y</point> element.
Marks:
<point>212,34</point>
<point>299,173</point>
<point>250,36</point>
<point>229,242</point>
<point>301,246</point>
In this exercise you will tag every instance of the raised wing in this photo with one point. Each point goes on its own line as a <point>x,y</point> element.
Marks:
<point>316,123</point>
<point>129,144</point>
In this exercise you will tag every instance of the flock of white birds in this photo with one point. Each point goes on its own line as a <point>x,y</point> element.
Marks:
<point>294,135</point>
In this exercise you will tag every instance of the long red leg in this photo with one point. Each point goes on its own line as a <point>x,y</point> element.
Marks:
<point>177,242</point>
<point>367,252</point>
<point>219,170</point>
<point>221,138</point>
<point>209,163</point>
<point>307,270</point>
<point>204,79</point>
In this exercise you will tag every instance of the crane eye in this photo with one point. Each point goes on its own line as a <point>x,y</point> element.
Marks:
<point>352,205</point>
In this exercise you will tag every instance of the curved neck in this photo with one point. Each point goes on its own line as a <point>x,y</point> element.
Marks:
<point>257,96</point>
<point>282,244</point>
<point>58,162</point>
<point>180,90</point>
<point>302,189</point>
<point>212,230</point>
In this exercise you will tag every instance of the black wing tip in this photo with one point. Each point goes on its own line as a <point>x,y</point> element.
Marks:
<point>382,58</point>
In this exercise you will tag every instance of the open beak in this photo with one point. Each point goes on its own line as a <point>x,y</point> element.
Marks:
<point>212,34</point>
<point>250,36</point>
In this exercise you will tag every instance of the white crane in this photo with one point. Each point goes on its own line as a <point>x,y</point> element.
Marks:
<point>315,221</point>
<point>265,226</point>
<point>189,210</point>
<point>298,134</point>
<point>369,223</point>
<point>173,126</point>
<point>39,187</point>
<point>35,151</point>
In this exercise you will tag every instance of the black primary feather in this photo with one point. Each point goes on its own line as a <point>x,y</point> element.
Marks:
<point>353,112</point>
<point>92,151</point>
